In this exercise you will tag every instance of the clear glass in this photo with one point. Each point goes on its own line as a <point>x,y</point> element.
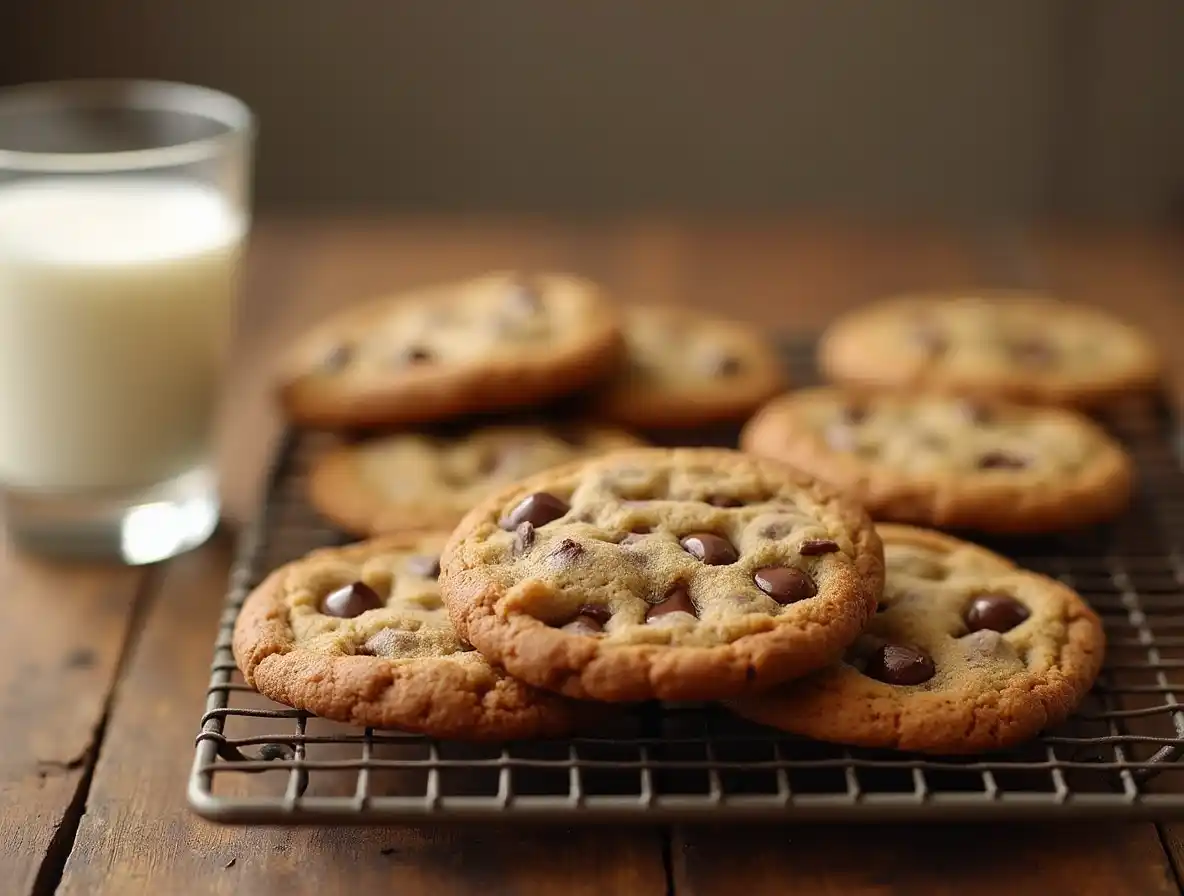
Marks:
<point>124,209</point>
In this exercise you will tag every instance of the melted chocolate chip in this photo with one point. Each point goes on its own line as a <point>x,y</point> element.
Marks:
<point>784,584</point>
<point>424,565</point>
<point>350,601</point>
<point>537,509</point>
<point>568,550</point>
<point>677,600</point>
<point>711,549</point>
<point>600,614</point>
<point>997,612</point>
<point>853,413</point>
<point>725,365</point>
<point>523,538</point>
<point>724,501</point>
<point>415,354</point>
<point>1001,460</point>
<point>812,547</point>
<point>338,357</point>
<point>895,664</point>
<point>583,625</point>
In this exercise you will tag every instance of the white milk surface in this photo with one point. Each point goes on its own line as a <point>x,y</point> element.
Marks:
<point>115,307</point>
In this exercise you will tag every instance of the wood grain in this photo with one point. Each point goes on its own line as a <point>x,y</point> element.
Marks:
<point>137,836</point>
<point>62,634</point>
<point>935,860</point>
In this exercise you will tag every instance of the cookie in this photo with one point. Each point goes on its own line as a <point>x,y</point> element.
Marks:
<point>679,574</point>
<point>489,343</point>
<point>968,654</point>
<point>942,461</point>
<point>417,481</point>
<point>1013,345</point>
<point>359,635</point>
<point>685,369</point>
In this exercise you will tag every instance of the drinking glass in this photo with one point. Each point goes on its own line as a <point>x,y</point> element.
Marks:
<point>124,209</point>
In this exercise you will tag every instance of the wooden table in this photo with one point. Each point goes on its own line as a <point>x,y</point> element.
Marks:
<point>103,670</point>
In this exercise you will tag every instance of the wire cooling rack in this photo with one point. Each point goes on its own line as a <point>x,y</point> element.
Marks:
<point>1121,755</point>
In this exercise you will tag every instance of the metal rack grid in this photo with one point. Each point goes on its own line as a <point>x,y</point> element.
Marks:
<point>1121,755</point>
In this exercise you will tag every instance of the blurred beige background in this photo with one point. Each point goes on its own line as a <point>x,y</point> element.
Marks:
<point>1011,108</point>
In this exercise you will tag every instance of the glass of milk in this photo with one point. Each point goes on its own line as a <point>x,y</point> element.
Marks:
<point>124,206</point>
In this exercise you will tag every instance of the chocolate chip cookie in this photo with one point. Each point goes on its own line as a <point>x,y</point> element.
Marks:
<point>1014,345</point>
<point>943,461</point>
<point>359,635</point>
<point>417,481</point>
<point>685,369</point>
<point>968,654</point>
<point>489,343</point>
<point>686,573</point>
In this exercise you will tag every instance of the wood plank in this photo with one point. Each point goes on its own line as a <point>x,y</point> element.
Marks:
<point>805,279</point>
<point>62,633</point>
<point>137,837</point>
<point>1141,276</point>
<point>936,860</point>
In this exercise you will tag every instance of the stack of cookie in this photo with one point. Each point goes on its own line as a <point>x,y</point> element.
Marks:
<point>521,580</point>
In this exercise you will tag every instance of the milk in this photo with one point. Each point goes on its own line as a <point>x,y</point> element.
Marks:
<point>115,305</point>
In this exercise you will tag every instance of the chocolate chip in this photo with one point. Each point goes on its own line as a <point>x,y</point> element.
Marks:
<point>725,365</point>
<point>677,600</point>
<point>583,625</point>
<point>812,547</point>
<point>894,664</point>
<point>1001,460</point>
<point>997,612</point>
<point>523,538</point>
<point>426,565</point>
<point>853,413</point>
<point>711,549</point>
<point>724,501</point>
<point>351,600</point>
<point>537,509</point>
<point>415,354</point>
<point>568,550</point>
<point>600,614</point>
<point>784,584</point>
<point>338,357</point>
<point>881,607</point>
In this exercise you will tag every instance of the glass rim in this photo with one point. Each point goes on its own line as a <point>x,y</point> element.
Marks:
<point>127,93</point>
